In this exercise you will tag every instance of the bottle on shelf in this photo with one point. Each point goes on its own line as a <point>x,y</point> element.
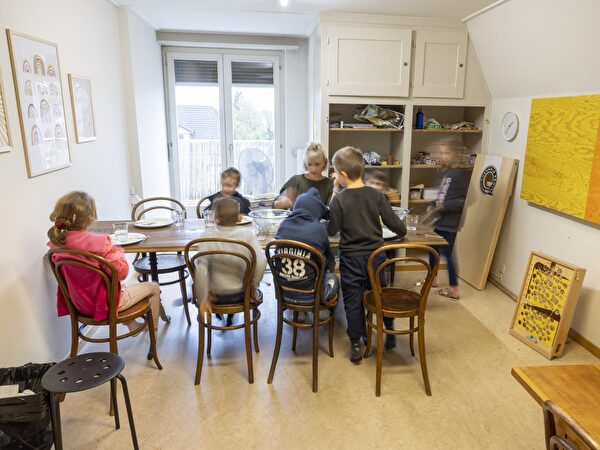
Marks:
<point>419,124</point>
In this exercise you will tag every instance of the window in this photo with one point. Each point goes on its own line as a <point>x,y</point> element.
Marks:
<point>224,111</point>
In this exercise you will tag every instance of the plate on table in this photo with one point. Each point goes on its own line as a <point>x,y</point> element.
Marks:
<point>157,222</point>
<point>245,220</point>
<point>388,234</point>
<point>132,238</point>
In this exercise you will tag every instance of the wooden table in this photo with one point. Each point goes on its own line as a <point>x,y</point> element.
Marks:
<point>573,388</point>
<point>174,239</point>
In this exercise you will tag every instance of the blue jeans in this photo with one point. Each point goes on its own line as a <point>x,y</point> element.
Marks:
<point>446,250</point>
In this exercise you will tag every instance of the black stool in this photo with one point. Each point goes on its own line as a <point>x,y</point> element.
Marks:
<point>84,372</point>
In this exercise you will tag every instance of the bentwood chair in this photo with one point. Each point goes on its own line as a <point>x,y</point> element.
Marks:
<point>62,261</point>
<point>246,303</point>
<point>396,302</point>
<point>165,262</point>
<point>202,206</point>
<point>283,253</point>
<point>574,436</point>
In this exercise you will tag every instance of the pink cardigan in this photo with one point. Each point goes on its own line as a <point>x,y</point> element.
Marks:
<point>88,291</point>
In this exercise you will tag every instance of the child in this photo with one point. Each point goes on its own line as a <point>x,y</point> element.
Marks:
<point>219,278</point>
<point>304,225</point>
<point>355,213</point>
<point>72,216</point>
<point>230,180</point>
<point>449,205</point>
<point>315,162</point>
<point>376,179</point>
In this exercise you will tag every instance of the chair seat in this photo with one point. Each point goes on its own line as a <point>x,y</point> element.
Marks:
<point>165,263</point>
<point>137,310</point>
<point>237,306</point>
<point>395,302</point>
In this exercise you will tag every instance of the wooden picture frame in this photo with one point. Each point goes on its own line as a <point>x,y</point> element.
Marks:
<point>546,304</point>
<point>40,101</point>
<point>82,107</point>
<point>5,137</point>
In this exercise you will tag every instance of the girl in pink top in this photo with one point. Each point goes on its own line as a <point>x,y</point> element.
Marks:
<point>72,216</point>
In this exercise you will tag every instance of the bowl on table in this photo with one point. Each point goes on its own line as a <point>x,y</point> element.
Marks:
<point>267,221</point>
<point>400,212</point>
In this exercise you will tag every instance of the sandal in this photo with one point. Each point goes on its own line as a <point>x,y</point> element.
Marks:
<point>446,293</point>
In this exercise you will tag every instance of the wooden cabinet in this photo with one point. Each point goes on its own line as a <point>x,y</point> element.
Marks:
<point>440,63</point>
<point>369,61</point>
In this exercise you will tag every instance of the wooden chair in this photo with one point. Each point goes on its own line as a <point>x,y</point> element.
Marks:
<point>165,262</point>
<point>200,209</point>
<point>96,264</point>
<point>201,248</point>
<point>398,303</point>
<point>277,257</point>
<point>579,440</point>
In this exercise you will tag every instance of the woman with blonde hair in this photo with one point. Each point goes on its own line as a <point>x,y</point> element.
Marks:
<point>72,216</point>
<point>315,162</point>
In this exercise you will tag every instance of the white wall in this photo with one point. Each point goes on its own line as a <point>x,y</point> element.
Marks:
<point>541,48</point>
<point>142,64</point>
<point>87,35</point>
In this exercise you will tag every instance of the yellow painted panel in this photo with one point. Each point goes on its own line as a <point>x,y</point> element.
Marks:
<point>592,211</point>
<point>559,158</point>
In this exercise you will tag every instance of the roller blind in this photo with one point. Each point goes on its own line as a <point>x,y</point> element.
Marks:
<point>196,71</point>
<point>251,72</point>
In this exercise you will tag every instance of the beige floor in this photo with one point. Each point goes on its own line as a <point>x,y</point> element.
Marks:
<point>476,403</point>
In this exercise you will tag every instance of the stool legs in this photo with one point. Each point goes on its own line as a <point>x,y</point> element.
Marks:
<point>55,416</point>
<point>129,411</point>
<point>55,412</point>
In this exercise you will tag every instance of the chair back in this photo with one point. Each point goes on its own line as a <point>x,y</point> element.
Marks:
<point>552,413</point>
<point>62,259</point>
<point>202,206</point>
<point>146,205</point>
<point>374,272</point>
<point>293,258</point>
<point>202,248</point>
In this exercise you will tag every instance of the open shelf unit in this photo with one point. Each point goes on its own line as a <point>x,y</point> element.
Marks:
<point>405,144</point>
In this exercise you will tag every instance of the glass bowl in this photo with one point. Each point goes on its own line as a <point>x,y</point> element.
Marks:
<point>267,221</point>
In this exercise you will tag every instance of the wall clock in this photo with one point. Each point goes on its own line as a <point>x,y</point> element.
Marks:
<point>510,125</point>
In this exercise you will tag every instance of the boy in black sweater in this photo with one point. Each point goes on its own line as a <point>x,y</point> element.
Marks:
<point>356,213</point>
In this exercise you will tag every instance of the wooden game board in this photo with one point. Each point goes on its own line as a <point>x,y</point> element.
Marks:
<point>545,307</point>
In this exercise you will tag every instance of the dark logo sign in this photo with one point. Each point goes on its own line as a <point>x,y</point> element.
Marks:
<point>488,179</point>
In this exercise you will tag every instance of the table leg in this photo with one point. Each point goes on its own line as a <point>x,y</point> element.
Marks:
<point>154,269</point>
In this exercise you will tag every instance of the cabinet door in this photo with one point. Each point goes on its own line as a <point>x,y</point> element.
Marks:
<point>440,58</point>
<point>369,61</point>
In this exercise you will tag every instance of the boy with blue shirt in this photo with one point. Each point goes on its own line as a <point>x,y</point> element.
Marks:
<point>355,213</point>
<point>304,225</point>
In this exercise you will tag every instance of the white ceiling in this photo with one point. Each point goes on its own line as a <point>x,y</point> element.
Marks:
<point>269,17</point>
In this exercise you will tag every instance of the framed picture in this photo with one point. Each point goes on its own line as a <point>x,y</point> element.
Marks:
<point>546,305</point>
<point>83,113</point>
<point>4,128</point>
<point>38,88</point>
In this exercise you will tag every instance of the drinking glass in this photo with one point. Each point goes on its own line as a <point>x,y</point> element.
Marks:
<point>177,218</point>
<point>209,218</point>
<point>120,231</point>
<point>412,220</point>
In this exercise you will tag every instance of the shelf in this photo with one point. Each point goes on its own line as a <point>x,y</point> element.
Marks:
<point>395,166</point>
<point>449,131</point>
<point>435,166</point>
<point>371,130</point>
<point>419,201</point>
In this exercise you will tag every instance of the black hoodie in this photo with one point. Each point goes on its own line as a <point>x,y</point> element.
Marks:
<point>304,225</point>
